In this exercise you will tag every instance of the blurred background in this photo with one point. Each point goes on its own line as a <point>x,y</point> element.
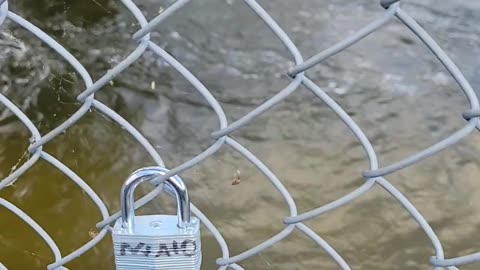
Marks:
<point>389,83</point>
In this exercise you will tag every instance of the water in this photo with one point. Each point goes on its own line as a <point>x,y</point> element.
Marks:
<point>397,92</point>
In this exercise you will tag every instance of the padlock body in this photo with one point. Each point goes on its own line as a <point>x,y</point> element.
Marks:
<point>157,243</point>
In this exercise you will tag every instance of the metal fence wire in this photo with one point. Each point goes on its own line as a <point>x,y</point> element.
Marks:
<point>373,176</point>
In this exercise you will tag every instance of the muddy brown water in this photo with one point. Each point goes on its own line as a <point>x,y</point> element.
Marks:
<point>396,91</point>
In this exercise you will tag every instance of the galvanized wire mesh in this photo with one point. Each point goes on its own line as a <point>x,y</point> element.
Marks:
<point>373,176</point>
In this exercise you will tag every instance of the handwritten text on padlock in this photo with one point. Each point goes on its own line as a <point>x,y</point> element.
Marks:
<point>186,248</point>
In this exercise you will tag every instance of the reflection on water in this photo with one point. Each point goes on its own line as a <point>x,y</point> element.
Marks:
<point>394,89</point>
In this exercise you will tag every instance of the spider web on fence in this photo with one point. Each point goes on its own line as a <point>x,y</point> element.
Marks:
<point>373,176</point>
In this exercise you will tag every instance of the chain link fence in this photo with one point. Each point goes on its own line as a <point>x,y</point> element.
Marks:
<point>373,176</point>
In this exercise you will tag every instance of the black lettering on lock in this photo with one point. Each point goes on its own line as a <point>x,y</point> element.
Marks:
<point>175,247</point>
<point>133,250</point>
<point>162,248</point>
<point>147,251</point>
<point>185,245</point>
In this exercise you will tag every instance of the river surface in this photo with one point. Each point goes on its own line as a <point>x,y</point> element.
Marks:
<point>397,92</point>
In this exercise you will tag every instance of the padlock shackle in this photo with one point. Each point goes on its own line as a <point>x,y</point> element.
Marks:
<point>174,183</point>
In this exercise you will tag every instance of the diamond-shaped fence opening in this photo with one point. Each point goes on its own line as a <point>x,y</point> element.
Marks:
<point>374,175</point>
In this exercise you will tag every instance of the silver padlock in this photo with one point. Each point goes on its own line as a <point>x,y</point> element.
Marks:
<point>156,241</point>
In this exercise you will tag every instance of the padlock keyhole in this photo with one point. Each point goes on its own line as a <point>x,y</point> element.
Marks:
<point>156,224</point>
